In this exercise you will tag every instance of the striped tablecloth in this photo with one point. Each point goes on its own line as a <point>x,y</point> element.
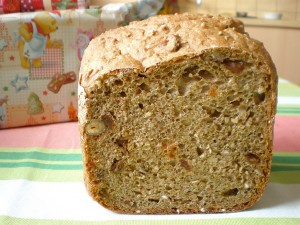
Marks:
<point>41,178</point>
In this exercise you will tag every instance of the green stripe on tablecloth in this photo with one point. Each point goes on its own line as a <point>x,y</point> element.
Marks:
<point>276,168</point>
<point>223,221</point>
<point>286,154</point>
<point>41,175</point>
<point>290,159</point>
<point>43,150</point>
<point>285,168</point>
<point>281,110</point>
<point>37,165</point>
<point>40,156</point>
<point>285,177</point>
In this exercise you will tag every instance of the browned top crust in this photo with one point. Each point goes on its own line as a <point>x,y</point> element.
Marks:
<point>143,44</point>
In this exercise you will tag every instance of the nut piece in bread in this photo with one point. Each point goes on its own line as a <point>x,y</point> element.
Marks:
<point>176,116</point>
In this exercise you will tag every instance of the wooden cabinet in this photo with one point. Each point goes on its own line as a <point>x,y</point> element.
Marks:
<point>283,44</point>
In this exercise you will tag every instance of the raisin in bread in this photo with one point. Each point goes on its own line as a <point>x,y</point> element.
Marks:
<point>176,116</point>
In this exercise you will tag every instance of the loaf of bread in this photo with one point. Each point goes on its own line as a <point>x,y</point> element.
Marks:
<point>176,116</point>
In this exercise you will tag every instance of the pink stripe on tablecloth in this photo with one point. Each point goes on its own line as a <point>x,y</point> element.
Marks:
<point>287,134</point>
<point>59,135</point>
<point>66,135</point>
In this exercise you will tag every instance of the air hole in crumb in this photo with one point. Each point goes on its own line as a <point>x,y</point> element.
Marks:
<point>141,106</point>
<point>108,121</point>
<point>172,163</point>
<point>153,200</point>
<point>251,114</point>
<point>103,193</point>
<point>212,112</point>
<point>183,84</point>
<point>219,82</point>
<point>117,165</point>
<point>218,127</point>
<point>168,188</point>
<point>252,158</point>
<point>123,94</point>
<point>236,102</point>
<point>181,146</point>
<point>144,87</point>
<point>128,78</point>
<point>215,114</point>
<point>199,198</point>
<point>259,98</point>
<point>205,89</point>
<point>118,82</point>
<point>177,112</point>
<point>138,91</point>
<point>200,151</point>
<point>121,142</point>
<point>142,75</point>
<point>231,192</point>
<point>175,210</point>
<point>190,70</point>
<point>107,93</point>
<point>172,91</point>
<point>206,75</point>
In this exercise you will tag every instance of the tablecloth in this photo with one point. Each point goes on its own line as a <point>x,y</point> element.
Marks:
<point>41,180</point>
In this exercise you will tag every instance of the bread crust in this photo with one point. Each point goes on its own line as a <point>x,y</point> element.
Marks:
<point>140,45</point>
<point>145,46</point>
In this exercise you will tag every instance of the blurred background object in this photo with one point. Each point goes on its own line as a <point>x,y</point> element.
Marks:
<point>289,9</point>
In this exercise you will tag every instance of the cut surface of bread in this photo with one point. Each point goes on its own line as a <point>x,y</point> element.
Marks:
<point>176,115</point>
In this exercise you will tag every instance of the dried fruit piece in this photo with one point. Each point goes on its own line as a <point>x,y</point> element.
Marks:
<point>252,158</point>
<point>95,127</point>
<point>184,163</point>
<point>213,92</point>
<point>171,148</point>
<point>234,66</point>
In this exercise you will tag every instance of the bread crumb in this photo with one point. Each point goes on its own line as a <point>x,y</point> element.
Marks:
<point>203,25</point>
<point>148,114</point>
<point>234,120</point>
<point>164,197</point>
<point>260,90</point>
<point>155,169</point>
<point>246,185</point>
